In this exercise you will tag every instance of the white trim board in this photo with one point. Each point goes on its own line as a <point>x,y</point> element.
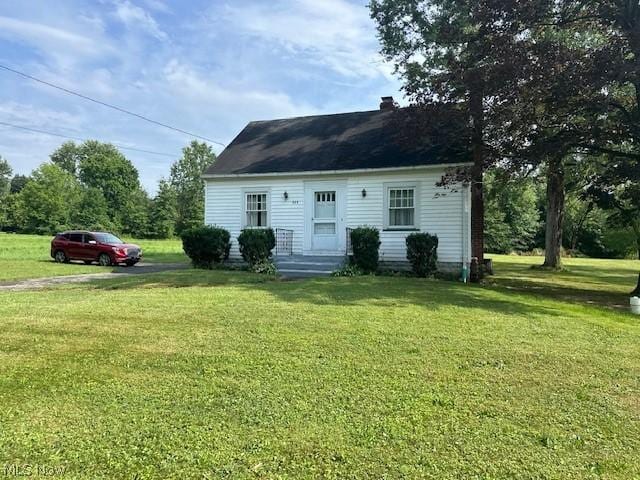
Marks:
<point>439,166</point>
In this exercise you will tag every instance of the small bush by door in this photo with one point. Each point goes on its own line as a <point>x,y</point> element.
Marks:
<point>365,242</point>
<point>256,244</point>
<point>422,253</point>
<point>206,246</point>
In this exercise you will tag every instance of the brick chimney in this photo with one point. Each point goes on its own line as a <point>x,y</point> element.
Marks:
<point>387,103</point>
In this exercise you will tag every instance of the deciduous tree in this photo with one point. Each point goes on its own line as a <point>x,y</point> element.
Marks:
<point>162,217</point>
<point>617,188</point>
<point>67,157</point>
<point>5,184</point>
<point>466,54</point>
<point>511,217</point>
<point>46,203</point>
<point>186,179</point>
<point>18,182</point>
<point>92,211</point>
<point>101,166</point>
<point>5,177</point>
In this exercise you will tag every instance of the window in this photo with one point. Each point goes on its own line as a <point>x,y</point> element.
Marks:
<point>108,238</point>
<point>325,205</point>
<point>256,210</point>
<point>401,207</point>
<point>75,237</point>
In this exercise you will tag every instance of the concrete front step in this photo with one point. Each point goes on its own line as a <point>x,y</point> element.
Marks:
<point>310,258</point>
<point>290,273</point>
<point>307,265</point>
<point>299,266</point>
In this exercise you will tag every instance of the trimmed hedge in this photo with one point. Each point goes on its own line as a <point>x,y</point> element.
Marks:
<point>256,244</point>
<point>365,242</point>
<point>206,246</point>
<point>422,253</point>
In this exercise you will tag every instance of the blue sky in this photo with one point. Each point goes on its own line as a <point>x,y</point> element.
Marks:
<point>207,67</point>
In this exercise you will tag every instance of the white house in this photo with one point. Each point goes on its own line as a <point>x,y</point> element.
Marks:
<point>313,178</point>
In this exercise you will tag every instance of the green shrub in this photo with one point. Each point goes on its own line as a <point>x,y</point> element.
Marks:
<point>422,253</point>
<point>365,242</point>
<point>256,244</point>
<point>206,246</point>
<point>347,271</point>
<point>266,267</point>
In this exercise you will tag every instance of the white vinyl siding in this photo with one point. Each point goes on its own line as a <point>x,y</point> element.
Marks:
<point>225,206</point>
<point>436,210</point>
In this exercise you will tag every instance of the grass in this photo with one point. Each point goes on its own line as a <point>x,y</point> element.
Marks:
<point>215,374</point>
<point>28,256</point>
<point>582,280</point>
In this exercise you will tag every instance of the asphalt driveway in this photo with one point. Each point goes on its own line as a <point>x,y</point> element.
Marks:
<point>139,269</point>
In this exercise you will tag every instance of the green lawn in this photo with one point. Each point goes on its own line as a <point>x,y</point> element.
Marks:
<point>28,256</point>
<point>199,374</point>
<point>587,280</point>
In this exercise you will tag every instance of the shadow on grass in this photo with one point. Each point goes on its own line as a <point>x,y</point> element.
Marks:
<point>396,292</point>
<point>576,284</point>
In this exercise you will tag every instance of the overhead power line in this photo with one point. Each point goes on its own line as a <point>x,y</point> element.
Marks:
<point>108,105</point>
<point>36,130</point>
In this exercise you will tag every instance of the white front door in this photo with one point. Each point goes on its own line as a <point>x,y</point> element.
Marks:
<point>325,217</point>
<point>325,228</point>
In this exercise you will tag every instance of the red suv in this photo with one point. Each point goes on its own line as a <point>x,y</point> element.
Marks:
<point>104,248</point>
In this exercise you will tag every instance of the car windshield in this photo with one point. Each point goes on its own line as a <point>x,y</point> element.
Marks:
<point>107,238</point>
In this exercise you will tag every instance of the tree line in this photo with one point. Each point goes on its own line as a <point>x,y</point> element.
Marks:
<point>546,89</point>
<point>515,213</point>
<point>93,186</point>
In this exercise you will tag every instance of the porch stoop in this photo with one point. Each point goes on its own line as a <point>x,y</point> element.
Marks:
<point>302,266</point>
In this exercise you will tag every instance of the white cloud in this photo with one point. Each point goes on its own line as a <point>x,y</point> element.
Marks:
<point>26,150</point>
<point>333,33</point>
<point>44,36</point>
<point>254,104</point>
<point>31,116</point>
<point>136,17</point>
<point>157,5</point>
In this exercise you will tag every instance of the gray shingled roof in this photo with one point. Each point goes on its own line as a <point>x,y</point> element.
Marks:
<point>347,141</point>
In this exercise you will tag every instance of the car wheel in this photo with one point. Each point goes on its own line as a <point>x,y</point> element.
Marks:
<point>104,260</point>
<point>60,257</point>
